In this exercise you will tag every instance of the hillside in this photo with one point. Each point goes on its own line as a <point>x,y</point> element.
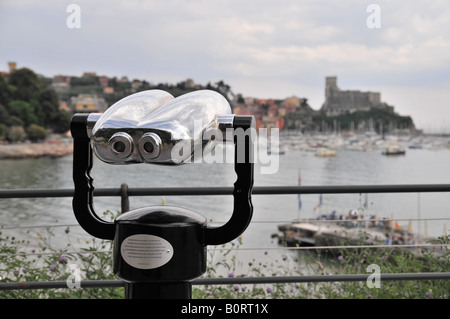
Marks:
<point>32,106</point>
<point>29,109</point>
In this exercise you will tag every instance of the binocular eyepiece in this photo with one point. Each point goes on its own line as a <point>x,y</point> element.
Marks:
<point>121,145</point>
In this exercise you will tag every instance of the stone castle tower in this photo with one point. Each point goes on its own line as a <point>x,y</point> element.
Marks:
<point>338,101</point>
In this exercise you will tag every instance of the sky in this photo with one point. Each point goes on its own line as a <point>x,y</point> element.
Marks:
<point>264,49</point>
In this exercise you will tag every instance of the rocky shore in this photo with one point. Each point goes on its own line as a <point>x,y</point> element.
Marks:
<point>35,150</point>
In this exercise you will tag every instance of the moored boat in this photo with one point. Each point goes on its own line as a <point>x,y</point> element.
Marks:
<point>325,152</point>
<point>394,150</point>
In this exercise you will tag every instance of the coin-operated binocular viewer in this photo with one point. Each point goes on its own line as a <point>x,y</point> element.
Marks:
<point>159,250</point>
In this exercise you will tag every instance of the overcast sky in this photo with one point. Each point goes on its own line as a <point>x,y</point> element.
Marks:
<point>261,48</point>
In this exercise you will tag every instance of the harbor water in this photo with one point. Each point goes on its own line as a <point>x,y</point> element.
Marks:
<point>347,167</point>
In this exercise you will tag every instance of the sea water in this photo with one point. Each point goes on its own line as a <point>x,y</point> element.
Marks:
<point>20,217</point>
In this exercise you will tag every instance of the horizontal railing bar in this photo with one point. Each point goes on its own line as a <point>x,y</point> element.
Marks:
<point>38,226</point>
<point>60,284</point>
<point>391,246</point>
<point>257,190</point>
<point>297,248</point>
<point>319,278</point>
<point>35,193</point>
<point>235,280</point>
<point>319,221</point>
<point>348,189</point>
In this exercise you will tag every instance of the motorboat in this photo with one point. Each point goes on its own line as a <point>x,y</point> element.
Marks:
<point>394,150</point>
<point>325,152</point>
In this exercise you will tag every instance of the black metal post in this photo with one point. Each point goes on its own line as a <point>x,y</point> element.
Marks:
<point>158,290</point>
<point>124,199</point>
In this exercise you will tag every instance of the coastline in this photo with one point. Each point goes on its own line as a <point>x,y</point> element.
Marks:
<point>35,150</point>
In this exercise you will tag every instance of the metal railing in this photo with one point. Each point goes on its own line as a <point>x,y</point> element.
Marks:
<point>235,281</point>
<point>124,192</point>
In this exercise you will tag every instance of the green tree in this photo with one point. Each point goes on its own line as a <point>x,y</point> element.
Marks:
<point>223,89</point>
<point>49,105</point>
<point>90,80</point>
<point>4,115</point>
<point>36,133</point>
<point>24,111</point>
<point>27,100</point>
<point>382,117</point>
<point>37,110</point>
<point>15,121</point>
<point>61,122</point>
<point>5,92</point>
<point>27,84</point>
<point>3,131</point>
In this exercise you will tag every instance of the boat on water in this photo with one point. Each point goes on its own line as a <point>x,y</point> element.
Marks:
<point>325,152</point>
<point>280,150</point>
<point>394,150</point>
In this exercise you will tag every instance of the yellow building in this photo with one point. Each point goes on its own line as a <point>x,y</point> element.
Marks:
<point>88,103</point>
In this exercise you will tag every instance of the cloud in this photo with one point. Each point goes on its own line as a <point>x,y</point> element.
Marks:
<point>257,46</point>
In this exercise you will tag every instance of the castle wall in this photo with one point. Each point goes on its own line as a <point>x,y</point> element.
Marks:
<point>339,101</point>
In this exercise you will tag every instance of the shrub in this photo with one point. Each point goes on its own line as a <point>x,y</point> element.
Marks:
<point>36,133</point>
<point>16,134</point>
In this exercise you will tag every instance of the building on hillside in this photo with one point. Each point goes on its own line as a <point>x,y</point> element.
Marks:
<point>108,90</point>
<point>289,105</point>
<point>88,74</point>
<point>301,117</point>
<point>136,85</point>
<point>60,82</point>
<point>88,103</point>
<point>189,84</point>
<point>63,106</point>
<point>104,80</point>
<point>339,101</point>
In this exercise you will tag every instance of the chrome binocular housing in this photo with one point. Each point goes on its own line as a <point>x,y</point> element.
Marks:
<point>154,127</point>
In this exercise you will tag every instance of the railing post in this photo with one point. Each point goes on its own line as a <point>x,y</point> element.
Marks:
<point>151,290</point>
<point>124,199</point>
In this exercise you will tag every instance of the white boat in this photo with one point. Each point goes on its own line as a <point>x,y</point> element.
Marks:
<point>394,150</point>
<point>325,152</point>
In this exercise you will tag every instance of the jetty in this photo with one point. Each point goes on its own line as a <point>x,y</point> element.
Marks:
<point>349,232</point>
